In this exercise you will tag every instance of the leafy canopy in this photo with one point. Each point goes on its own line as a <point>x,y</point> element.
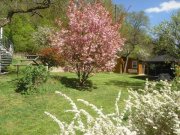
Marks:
<point>167,36</point>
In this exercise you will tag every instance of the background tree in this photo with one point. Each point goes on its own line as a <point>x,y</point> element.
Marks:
<point>23,18</point>
<point>41,36</point>
<point>167,37</point>
<point>90,41</point>
<point>20,27</point>
<point>19,32</point>
<point>137,40</point>
<point>54,9</point>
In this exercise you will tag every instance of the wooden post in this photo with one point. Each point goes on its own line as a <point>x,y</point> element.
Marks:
<point>17,70</point>
<point>1,36</point>
<point>0,61</point>
<point>120,68</point>
<point>115,13</point>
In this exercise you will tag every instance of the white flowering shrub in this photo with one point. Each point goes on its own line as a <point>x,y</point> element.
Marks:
<point>103,124</point>
<point>41,36</point>
<point>156,111</point>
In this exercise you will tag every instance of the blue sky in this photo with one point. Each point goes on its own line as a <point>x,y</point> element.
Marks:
<point>156,10</point>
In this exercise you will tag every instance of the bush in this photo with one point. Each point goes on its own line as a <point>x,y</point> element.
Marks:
<point>176,84</point>
<point>33,76</point>
<point>50,56</point>
<point>155,111</point>
<point>41,36</point>
<point>176,81</point>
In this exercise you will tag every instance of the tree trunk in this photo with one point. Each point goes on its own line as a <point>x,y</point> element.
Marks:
<point>82,79</point>
<point>83,75</point>
<point>125,66</point>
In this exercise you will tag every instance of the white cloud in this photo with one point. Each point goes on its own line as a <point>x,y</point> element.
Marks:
<point>164,7</point>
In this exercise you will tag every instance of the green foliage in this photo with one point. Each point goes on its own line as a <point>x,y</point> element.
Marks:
<point>167,35</point>
<point>19,31</point>
<point>23,25</point>
<point>176,81</point>
<point>33,77</point>
<point>177,70</point>
<point>137,44</point>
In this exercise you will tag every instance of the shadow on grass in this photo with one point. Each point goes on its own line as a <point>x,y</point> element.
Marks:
<point>11,84</point>
<point>73,83</point>
<point>132,84</point>
<point>126,84</point>
<point>144,77</point>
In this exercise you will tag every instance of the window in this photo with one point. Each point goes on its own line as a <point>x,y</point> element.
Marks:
<point>134,64</point>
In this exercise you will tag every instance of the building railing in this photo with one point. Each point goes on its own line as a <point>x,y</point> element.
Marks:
<point>6,44</point>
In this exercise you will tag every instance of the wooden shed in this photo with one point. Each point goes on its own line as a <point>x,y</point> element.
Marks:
<point>134,66</point>
<point>161,64</point>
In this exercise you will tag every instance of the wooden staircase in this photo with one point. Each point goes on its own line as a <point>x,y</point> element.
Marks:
<point>6,53</point>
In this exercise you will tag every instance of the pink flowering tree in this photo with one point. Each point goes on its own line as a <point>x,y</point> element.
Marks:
<point>90,41</point>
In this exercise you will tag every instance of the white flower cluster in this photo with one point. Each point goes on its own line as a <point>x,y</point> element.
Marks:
<point>155,110</point>
<point>41,36</point>
<point>103,124</point>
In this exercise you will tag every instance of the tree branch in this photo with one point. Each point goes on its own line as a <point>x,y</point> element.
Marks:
<point>4,21</point>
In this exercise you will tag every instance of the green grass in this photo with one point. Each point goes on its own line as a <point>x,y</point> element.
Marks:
<point>24,114</point>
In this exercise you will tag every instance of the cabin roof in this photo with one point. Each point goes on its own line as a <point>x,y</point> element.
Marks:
<point>163,58</point>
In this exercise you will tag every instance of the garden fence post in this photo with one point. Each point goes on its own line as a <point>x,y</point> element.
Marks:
<point>0,61</point>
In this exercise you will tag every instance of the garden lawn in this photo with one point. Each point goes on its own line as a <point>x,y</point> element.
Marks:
<point>24,114</point>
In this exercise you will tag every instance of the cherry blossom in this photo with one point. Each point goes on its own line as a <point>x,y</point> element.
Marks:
<point>90,41</point>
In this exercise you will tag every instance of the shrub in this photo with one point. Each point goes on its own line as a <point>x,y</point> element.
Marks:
<point>41,36</point>
<point>177,71</point>
<point>176,84</point>
<point>155,111</point>
<point>33,76</point>
<point>176,81</point>
<point>50,56</point>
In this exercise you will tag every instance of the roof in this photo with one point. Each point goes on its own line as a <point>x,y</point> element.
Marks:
<point>163,58</point>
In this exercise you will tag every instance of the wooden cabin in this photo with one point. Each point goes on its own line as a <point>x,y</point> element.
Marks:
<point>134,66</point>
